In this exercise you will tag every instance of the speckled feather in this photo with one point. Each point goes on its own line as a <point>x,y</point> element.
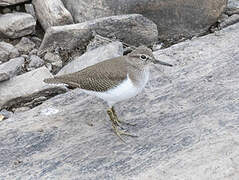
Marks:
<point>99,77</point>
<point>107,74</point>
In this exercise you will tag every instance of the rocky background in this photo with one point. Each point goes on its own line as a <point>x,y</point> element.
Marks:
<point>187,118</point>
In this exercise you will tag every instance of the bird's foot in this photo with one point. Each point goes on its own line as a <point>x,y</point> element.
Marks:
<point>120,132</point>
<point>117,121</point>
<point>113,117</point>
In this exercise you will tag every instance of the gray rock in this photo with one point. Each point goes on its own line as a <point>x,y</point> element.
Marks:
<point>133,29</point>
<point>55,60</point>
<point>233,4</point>
<point>33,52</point>
<point>7,51</point>
<point>56,66</point>
<point>25,88</point>
<point>232,7</point>
<point>21,109</point>
<point>37,41</point>
<point>98,41</point>
<point>49,66</point>
<point>52,13</point>
<point>229,21</point>
<point>25,45</point>
<point>35,62</point>
<point>11,2</point>
<point>11,68</point>
<point>97,55</point>
<point>6,114</point>
<point>51,57</point>
<point>173,18</point>
<point>15,25</point>
<point>187,123</point>
<point>30,10</point>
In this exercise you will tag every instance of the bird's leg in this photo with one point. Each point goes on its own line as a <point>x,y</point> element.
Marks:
<point>115,124</point>
<point>119,121</point>
<point>113,116</point>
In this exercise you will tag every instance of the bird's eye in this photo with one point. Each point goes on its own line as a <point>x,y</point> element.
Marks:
<point>143,57</point>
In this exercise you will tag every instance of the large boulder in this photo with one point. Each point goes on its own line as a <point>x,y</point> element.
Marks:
<point>15,25</point>
<point>186,121</point>
<point>11,2</point>
<point>52,13</point>
<point>7,51</point>
<point>90,58</point>
<point>173,18</point>
<point>133,29</point>
<point>11,68</point>
<point>25,88</point>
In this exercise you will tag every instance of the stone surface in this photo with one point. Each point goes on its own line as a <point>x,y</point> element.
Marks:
<point>90,58</point>
<point>35,62</point>
<point>7,51</point>
<point>6,114</point>
<point>52,13</point>
<point>234,4</point>
<point>11,2</point>
<point>25,88</point>
<point>134,30</point>
<point>25,45</point>
<point>15,25</point>
<point>11,68</point>
<point>173,18</point>
<point>187,122</point>
<point>30,10</point>
<point>232,7</point>
<point>54,60</point>
<point>229,21</point>
<point>51,57</point>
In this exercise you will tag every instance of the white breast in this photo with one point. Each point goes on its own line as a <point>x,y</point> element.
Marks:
<point>124,91</point>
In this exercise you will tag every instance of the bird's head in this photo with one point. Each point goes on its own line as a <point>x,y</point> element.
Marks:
<point>145,55</point>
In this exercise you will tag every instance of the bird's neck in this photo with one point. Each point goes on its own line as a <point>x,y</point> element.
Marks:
<point>139,75</point>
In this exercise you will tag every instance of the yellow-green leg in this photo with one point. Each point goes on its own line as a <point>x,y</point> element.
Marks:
<point>116,124</point>
<point>119,121</point>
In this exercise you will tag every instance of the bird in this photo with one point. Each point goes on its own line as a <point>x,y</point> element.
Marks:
<point>113,80</point>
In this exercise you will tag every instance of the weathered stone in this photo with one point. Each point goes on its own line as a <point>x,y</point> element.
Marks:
<point>173,18</point>
<point>51,57</point>
<point>98,41</point>
<point>11,2</point>
<point>186,119</point>
<point>25,45</point>
<point>7,51</point>
<point>35,62</point>
<point>30,10</point>
<point>55,60</point>
<point>37,41</point>
<point>133,29</point>
<point>25,88</point>
<point>52,13</point>
<point>233,4</point>
<point>229,21</point>
<point>6,114</point>
<point>11,68</point>
<point>232,7</point>
<point>97,55</point>
<point>15,25</point>
<point>33,52</point>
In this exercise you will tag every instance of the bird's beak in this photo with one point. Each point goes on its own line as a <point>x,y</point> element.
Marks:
<point>155,61</point>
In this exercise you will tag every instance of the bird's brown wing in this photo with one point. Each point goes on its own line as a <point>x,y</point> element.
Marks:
<point>99,77</point>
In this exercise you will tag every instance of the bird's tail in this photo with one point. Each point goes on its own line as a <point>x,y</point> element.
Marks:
<point>54,80</point>
<point>61,80</point>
